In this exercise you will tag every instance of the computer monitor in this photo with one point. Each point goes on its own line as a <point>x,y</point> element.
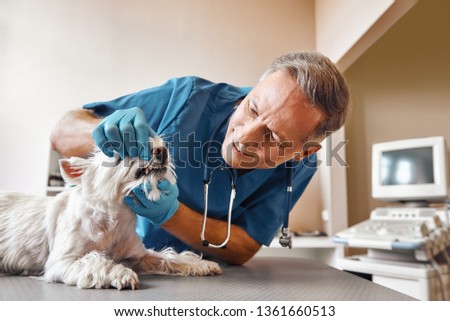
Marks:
<point>411,170</point>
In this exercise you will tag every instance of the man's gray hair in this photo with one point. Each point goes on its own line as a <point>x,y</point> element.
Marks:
<point>323,85</point>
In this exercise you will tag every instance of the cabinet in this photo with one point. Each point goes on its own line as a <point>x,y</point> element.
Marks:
<point>417,279</point>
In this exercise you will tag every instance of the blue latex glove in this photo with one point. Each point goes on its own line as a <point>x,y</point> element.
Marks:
<point>160,211</point>
<point>125,131</point>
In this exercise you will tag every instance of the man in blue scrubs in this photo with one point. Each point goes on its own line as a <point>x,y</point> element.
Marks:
<point>300,100</point>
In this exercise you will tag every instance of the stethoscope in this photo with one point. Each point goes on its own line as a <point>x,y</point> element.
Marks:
<point>285,238</point>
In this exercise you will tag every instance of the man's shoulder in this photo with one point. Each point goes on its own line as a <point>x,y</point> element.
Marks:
<point>193,80</point>
<point>190,84</point>
<point>221,90</point>
<point>198,83</point>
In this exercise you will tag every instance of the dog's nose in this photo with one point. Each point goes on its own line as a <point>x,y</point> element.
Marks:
<point>160,154</point>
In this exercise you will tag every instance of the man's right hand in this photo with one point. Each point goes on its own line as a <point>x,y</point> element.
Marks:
<point>126,132</point>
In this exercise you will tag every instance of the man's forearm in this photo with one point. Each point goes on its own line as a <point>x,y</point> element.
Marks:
<point>73,134</point>
<point>186,225</point>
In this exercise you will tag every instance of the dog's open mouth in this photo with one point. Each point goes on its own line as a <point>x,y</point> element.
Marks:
<point>157,166</point>
<point>155,170</point>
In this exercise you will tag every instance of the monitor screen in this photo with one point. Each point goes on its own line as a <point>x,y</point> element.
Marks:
<point>407,166</point>
<point>410,170</point>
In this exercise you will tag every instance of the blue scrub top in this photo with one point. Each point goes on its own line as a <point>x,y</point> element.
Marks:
<point>185,112</point>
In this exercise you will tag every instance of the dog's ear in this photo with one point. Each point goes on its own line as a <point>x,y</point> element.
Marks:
<point>71,170</point>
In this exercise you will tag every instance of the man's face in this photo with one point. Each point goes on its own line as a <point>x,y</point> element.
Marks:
<point>270,125</point>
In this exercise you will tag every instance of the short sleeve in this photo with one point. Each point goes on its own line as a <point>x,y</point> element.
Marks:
<point>160,104</point>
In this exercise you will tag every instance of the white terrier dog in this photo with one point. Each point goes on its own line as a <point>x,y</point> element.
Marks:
<point>85,236</point>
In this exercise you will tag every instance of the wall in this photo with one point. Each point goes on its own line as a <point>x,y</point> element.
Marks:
<point>354,17</point>
<point>345,29</point>
<point>56,55</point>
<point>400,89</point>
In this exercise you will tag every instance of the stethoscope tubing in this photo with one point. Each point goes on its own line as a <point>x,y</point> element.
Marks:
<point>207,175</point>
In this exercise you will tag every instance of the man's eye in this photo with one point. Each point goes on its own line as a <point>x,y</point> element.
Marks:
<point>252,110</point>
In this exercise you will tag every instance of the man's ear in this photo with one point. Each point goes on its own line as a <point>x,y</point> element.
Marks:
<point>309,149</point>
<point>71,170</point>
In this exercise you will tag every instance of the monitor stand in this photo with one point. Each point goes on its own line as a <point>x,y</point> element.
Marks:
<point>415,204</point>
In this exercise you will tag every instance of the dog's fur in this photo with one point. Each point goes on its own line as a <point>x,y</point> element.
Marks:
<point>85,236</point>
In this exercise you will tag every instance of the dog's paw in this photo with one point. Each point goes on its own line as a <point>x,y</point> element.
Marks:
<point>214,268</point>
<point>206,267</point>
<point>124,278</point>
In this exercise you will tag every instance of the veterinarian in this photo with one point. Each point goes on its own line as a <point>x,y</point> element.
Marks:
<point>299,100</point>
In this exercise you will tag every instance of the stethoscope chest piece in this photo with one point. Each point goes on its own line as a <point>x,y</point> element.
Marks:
<point>286,238</point>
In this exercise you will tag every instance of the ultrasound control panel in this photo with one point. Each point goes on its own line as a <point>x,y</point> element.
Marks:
<point>393,228</point>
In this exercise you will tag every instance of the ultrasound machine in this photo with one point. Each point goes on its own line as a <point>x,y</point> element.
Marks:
<point>408,242</point>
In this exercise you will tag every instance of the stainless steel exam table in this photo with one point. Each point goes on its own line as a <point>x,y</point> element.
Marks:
<point>260,279</point>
